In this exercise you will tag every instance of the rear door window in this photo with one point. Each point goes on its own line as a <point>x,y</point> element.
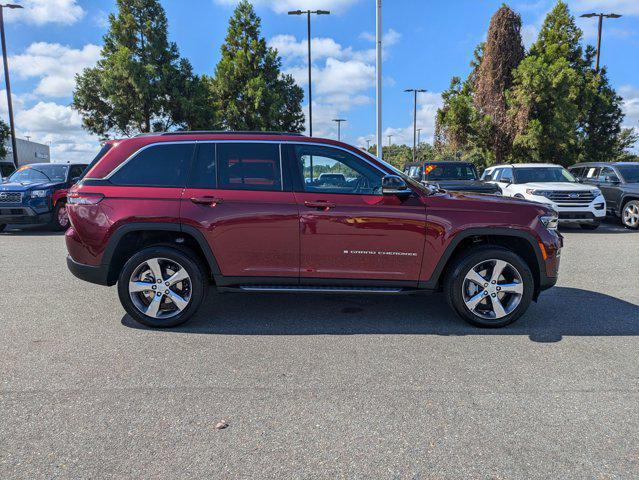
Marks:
<point>249,166</point>
<point>161,165</point>
<point>204,171</point>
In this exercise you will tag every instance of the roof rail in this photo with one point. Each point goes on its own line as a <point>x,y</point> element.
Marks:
<point>221,132</point>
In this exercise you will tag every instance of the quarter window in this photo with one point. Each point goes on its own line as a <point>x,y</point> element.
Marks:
<point>249,166</point>
<point>329,170</point>
<point>157,166</point>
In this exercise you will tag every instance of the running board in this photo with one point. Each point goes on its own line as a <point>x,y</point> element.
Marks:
<point>317,289</point>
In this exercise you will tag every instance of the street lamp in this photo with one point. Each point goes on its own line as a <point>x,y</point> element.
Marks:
<point>390,137</point>
<point>310,94</point>
<point>368,144</point>
<point>419,134</point>
<point>415,91</point>
<point>601,17</point>
<point>7,81</point>
<point>339,127</point>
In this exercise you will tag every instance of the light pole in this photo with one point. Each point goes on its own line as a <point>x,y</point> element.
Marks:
<point>310,91</point>
<point>601,17</point>
<point>390,137</point>
<point>378,74</point>
<point>12,126</point>
<point>415,91</point>
<point>368,144</point>
<point>419,134</point>
<point>339,127</point>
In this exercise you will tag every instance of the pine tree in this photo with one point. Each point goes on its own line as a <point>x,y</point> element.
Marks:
<point>140,83</point>
<point>502,53</point>
<point>249,90</point>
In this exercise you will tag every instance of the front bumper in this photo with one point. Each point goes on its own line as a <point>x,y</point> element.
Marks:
<point>21,215</point>
<point>594,212</point>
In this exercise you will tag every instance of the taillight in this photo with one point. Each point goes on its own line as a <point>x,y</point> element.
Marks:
<point>79,198</point>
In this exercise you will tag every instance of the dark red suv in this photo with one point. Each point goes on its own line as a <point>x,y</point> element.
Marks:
<point>165,215</point>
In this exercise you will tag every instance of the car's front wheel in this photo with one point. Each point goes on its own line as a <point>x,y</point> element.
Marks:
<point>60,220</point>
<point>630,214</point>
<point>161,286</point>
<point>2,227</point>
<point>489,286</point>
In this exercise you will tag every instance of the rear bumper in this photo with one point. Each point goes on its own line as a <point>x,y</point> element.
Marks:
<point>89,273</point>
<point>23,216</point>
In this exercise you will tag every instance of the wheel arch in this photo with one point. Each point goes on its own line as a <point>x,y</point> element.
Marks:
<point>131,237</point>
<point>520,242</point>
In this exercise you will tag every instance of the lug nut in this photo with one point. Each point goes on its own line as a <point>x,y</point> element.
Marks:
<point>493,282</point>
<point>494,295</point>
<point>166,292</point>
<point>167,284</point>
<point>159,281</point>
<point>485,292</point>
<point>498,288</point>
<point>159,294</point>
<point>154,287</point>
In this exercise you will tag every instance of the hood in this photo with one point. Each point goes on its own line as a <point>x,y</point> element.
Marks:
<point>24,187</point>
<point>563,186</point>
<point>495,203</point>
<point>465,185</point>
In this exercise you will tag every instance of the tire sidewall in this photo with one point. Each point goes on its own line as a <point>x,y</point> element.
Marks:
<point>188,262</point>
<point>625,205</point>
<point>454,283</point>
<point>54,221</point>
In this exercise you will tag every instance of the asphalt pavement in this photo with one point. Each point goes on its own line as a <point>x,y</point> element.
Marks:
<point>320,386</point>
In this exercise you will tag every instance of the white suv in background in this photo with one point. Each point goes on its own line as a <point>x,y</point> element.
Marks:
<point>552,185</point>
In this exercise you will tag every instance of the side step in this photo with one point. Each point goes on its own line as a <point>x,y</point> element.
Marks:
<point>317,289</point>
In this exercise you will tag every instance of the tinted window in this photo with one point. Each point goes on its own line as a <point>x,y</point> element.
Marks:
<point>76,171</point>
<point>329,170</point>
<point>203,173</point>
<point>249,166</point>
<point>607,172</point>
<point>506,174</point>
<point>543,174</point>
<point>103,151</point>
<point>630,173</point>
<point>157,166</point>
<point>577,171</point>
<point>450,171</point>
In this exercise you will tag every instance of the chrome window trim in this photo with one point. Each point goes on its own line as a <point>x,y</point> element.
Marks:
<point>279,142</point>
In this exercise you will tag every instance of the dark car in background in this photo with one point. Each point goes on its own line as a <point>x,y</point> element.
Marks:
<point>36,194</point>
<point>619,184</point>
<point>452,175</point>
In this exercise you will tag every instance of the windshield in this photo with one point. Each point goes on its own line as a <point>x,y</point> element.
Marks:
<point>541,175</point>
<point>450,171</point>
<point>630,173</point>
<point>40,173</point>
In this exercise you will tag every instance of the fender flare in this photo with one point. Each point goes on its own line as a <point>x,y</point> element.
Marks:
<point>120,232</point>
<point>433,281</point>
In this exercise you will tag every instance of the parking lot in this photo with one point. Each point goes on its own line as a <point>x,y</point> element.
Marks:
<point>319,385</point>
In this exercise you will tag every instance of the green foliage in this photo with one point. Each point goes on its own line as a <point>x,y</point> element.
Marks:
<point>5,134</point>
<point>140,83</point>
<point>250,91</point>
<point>626,140</point>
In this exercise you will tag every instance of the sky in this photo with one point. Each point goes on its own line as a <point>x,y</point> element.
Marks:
<point>426,42</point>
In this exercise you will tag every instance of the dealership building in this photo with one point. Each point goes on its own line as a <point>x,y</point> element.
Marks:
<point>28,152</point>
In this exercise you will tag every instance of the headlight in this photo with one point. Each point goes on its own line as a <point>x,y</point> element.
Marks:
<point>595,192</point>
<point>550,221</point>
<point>39,193</point>
<point>540,193</point>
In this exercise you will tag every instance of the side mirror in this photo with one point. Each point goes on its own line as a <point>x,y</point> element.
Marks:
<point>507,181</point>
<point>394,185</point>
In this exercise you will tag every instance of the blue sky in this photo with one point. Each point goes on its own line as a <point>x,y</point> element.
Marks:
<point>426,42</point>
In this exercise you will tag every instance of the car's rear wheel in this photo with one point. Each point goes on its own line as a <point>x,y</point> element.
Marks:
<point>2,227</point>
<point>489,286</point>
<point>630,214</point>
<point>161,286</point>
<point>60,220</point>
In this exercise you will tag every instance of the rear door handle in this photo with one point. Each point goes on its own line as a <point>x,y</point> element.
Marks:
<point>207,200</point>
<point>321,205</point>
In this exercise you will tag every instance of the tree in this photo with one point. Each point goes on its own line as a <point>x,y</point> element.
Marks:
<point>141,84</point>
<point>501,54</point>
<point>5,134</point>
<point>250,91</point>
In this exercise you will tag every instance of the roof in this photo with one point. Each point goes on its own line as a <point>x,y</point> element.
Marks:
<point>219,132</point>
<point>526,165</point>
<point>602,164</point>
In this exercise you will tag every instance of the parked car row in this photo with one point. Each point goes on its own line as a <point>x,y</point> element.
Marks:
<point>37,194</point>
<point>581,195</point>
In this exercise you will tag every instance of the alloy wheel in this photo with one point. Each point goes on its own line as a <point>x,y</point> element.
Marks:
<point>492,289</point>
<point>160,288</point>
<point>63,216</point>
<point>631,215</point>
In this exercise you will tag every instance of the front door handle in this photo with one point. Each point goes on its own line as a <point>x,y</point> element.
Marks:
<point>320,205</point>
<point>207,200</point>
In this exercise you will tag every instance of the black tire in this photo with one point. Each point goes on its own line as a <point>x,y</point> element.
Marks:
<point>589,226</point>
<point>2,227</point>
<point>57,223</point>
<point>625,221</point>
<point>462,264</point>
<point>183,258</point>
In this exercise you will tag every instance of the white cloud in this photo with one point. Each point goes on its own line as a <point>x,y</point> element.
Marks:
<point>427,105</point>
<point>630,97</point>
<point>55,65</point>
<point>283,6</point>
<point>40,12</point>
<point>54,124</point>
